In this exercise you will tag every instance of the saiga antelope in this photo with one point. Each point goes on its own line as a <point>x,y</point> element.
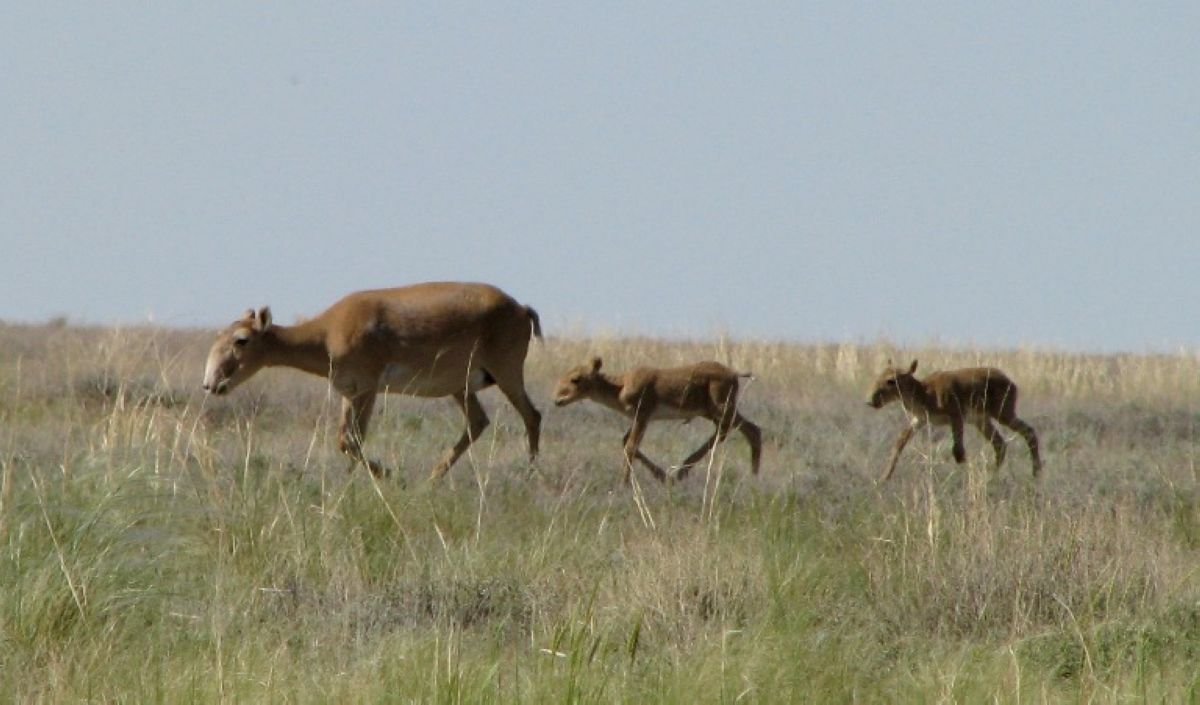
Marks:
<point>704,389</point>
<point>428,340</point>
<point>976,394</point>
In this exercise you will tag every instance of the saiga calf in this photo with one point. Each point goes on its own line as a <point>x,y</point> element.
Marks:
<point>704,389</point>
<point>976,394</point>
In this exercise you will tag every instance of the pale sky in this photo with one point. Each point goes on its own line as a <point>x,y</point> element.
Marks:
<point>1026,174</point>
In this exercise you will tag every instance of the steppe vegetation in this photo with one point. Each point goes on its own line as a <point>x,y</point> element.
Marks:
<point>160,546</point>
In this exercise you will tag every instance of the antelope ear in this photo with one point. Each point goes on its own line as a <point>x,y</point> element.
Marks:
<point>596,363</point>
<point>913,367</point>
<point>263,319</point>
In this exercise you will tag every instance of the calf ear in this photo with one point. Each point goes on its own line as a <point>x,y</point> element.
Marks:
<point>263,319</point>
<point>913,367</point>
<point>596,363</point>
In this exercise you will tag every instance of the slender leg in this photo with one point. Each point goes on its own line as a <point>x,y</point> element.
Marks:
<point>901,441</point>
<point>956,429</point>
<point>697,455</point>
<point>720,414</point>
<point>356,417</point>
<point>990,432</point>
<point>477,421</point>
<point>633,440</point>
<point>753,436</point>
<point>1031,439</point>
<point>512,386</point>
<point>653,467</point>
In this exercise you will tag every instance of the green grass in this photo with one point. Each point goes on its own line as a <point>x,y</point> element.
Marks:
<point>156,546</point>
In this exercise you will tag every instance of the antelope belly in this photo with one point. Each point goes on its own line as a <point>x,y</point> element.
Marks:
<point>670,413</point>
<point>401,379</point>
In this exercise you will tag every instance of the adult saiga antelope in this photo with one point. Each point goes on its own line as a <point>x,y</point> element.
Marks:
<point>428,340</point>
<point>976,394</point>
<point>705,389</point>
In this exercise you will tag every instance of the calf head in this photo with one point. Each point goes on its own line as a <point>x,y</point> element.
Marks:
<point>578,383</point>
<point>894,383</point>
<point>236,354</point>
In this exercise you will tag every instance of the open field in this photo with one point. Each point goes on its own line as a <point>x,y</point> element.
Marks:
<point>157,546</point>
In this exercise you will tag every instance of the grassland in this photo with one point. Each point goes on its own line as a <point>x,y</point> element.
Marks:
<point>156,546</point>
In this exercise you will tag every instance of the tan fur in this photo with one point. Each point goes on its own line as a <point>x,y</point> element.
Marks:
<point>429,340</point>
<point>976,394</point>
<point>705,389</point>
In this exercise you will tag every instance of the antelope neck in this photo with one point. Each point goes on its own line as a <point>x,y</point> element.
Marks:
<point>301,347</point>
<point>607,391</point>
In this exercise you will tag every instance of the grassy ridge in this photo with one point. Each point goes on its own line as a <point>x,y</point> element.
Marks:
<point>158,546</point>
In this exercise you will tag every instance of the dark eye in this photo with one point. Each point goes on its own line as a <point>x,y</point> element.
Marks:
<point>241,342</point>
<point>891,382</point>
<point>575,379</point>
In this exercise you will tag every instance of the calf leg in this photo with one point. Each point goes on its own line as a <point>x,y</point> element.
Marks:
<point>722,414</point>
<point>901,441</point>
<point>956,430</point>
<point>990,432</point>
<point>633,440</point>
<point>753,436</point>
<point>1031,439</point>
<point>697,455</point>
<point>477,421</point>
<point>653,467</point>
<point>748,429</point>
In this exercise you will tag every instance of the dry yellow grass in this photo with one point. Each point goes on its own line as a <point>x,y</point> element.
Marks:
<point>158,545</point>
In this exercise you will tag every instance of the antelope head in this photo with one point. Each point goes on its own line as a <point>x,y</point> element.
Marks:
<point>237,352</point>
<point>578,383</point>
<point>893,384</point>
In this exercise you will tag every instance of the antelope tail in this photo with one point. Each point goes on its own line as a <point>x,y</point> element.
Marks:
<point>537,323</point>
